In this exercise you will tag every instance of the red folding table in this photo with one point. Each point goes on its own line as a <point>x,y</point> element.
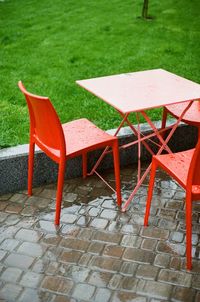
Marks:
<point>137,92</point>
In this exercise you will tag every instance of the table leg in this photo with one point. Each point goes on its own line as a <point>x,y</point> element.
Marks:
<point>163,146</point>
<point>139,146</point>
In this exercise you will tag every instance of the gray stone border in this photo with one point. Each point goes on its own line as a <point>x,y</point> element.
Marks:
<point>13,161</point>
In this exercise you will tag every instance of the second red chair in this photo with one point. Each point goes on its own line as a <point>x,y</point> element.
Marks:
<point>191,116</point>
<point>184,167</point>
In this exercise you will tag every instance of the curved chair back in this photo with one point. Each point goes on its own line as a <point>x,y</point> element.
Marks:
<point>194,170</point>
<point>45,126</point>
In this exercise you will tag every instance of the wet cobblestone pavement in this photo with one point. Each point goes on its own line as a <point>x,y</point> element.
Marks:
<point>98,253</point>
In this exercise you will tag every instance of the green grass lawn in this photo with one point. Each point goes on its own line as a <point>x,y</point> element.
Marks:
<point>51,44</point>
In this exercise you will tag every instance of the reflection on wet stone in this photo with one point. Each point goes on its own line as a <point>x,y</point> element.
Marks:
<point>149,244</point>
<point>83,221</point>
<point>113,251</point>
<point>129,283</point>
<point>11,274</point>
<point>162,260</point>
<point>68,218</point>
<point>50,239</point>
<point>18,260</point>
<point>147,272</point>
<point>28,211</point>
<point>52,268</point>
<point>167,247</point>
<point>9,244</point>
<point>103,294</point>
<point>128,268</point>
<point>70,229</point>
<point>115,281</point>
<point>93,211</point>
<point>175,263</point>
<point>47,226</point>
<point>78,274</point>
<point>96,247</point>
<point>97,253</point>
<point>10,292</point>
<point>57,284</point>
<point>177,236</point>
<point>31,278</point>
<point>100,278</point>
<point>109,203</point>
<point>70,256</point>
<point>70,197</point>
<point>19,198</point>
<point>114,226</point>
<point>99,223</point>
<point>28,235</point>
<point>131,228</point>
<point>84,291</point>
<point>109,214</point>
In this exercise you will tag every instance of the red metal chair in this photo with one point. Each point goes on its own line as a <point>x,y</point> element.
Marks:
<point>184,167</point>
<point>63,141</point>
<point>191,117</point>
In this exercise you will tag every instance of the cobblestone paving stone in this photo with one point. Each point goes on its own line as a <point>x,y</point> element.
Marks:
<point>97,253</point>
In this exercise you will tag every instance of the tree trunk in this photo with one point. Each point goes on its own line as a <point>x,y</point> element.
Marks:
<point>145,9</point>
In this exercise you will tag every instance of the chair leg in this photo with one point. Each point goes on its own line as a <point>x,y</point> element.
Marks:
<point>84,159</point>
<point>117,172</point>
<point>61,176</point>
<point>30,167</point>
<point>189,230</point>
<point>150,192</point>
<point>164,120</point>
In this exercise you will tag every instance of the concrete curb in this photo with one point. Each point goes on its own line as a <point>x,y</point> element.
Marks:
<point>13,161</point>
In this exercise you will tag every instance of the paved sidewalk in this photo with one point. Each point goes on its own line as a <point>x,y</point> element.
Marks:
<point>97,254</point>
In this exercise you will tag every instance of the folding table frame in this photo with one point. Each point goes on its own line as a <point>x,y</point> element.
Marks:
<point>136,92</point>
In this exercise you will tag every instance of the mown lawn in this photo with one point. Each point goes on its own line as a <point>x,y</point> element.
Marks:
<point>50,44</point>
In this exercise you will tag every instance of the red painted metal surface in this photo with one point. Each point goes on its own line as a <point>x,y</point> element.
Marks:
<point>184,167</point>
<point>142,90</point>
<point>61,142</point>
<point>138,91</point>
<point>191,117</point>
<point>83,134</point>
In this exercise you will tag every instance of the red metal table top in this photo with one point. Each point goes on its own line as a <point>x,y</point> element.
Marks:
<point>142,90</point>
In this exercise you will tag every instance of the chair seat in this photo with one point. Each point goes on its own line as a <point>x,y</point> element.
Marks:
<point>80,135</point>
<point>84,135</point>
<point>192,115</point>
<point>174,163</point>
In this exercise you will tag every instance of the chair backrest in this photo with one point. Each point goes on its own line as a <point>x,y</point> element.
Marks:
<point>194,170</point>
<point>45,126</point>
